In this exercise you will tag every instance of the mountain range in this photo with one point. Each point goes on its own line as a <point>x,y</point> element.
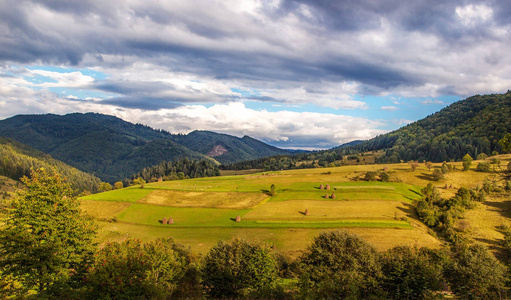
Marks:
<point>112,148</point>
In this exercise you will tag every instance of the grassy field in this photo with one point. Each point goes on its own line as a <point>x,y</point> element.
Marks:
<point>204,210</point>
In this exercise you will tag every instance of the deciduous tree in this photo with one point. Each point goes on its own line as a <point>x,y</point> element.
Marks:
<point>45,241</point>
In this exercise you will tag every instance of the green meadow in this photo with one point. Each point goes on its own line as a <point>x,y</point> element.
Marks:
<point>204,210</point>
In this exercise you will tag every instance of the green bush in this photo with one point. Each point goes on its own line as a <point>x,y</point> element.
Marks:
<point>483,167</point>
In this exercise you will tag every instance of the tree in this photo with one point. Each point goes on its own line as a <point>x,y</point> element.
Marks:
<point>410,273</point>
<point>339,265</point>
<point>438,174</point>
<point>370,176</point>
<point>482,156</point>
<point>476,274</point>
<point>45,241</point>
<point>272,190</point>
<point>467,162</point>
<point>505,143</point>
<point>140,181</point>
<point>105,187</point>
<point>239,269</point>
<point>131,269</point>
<point>413,164</point>
<point>118,185</point>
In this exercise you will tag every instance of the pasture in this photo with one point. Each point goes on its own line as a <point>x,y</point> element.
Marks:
<point>204,210</point>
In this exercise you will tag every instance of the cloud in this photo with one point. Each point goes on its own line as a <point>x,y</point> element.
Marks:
<point>432,101</point>
<point>389,108</point>
<point>286,128</point>
<point>177,55</point>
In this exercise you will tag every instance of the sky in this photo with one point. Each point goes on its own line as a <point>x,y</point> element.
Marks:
<point>309,74</point>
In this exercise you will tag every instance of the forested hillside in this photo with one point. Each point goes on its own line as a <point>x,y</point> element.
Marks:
<point>226,148</point>
<point>474,125</point>
<point>112,149</point>
<point>178,169</point>
<point>17,159</point>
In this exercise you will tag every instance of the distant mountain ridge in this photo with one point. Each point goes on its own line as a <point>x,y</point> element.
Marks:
<point>226,148</point>
<point>112,148</point>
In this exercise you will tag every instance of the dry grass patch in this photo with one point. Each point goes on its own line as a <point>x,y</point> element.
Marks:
<point>229,200</point>
<point>290,241</point>
<point>361,209</point>
<point>486,219</point>
<point>103,209</point>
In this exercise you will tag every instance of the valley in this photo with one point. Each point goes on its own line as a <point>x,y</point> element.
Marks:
<point>204,209</point>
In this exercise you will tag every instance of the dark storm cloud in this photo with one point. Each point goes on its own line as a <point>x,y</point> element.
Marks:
<point>215,41</point>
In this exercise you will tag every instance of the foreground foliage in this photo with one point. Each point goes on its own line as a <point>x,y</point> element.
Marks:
<point>45,241</point>
<point>340,265</point>
<point>239,269</point>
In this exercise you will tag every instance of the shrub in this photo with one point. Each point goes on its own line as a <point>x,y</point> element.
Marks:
<point>370,176</point>
<point>438,175</point>
<point>483,167</point>
<point>467,162</point>
<point>384,177</point>
<point>118,185</point>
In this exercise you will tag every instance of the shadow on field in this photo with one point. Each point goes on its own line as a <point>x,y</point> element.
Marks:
<point>301,212</point>
<point>265,192</point>
<point>409,210</point>
<point>502,207</point>
<point>425,176</point>
<point>415,192</point>
<point>492,244</point>
<point>233,219</point>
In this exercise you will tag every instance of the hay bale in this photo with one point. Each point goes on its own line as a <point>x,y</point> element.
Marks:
<point>164,221</point>
<point>307,212</point>
<point>327,187</point>
<point>321,186</point>
<point>238,218</point>
<point>170,221</point>
<point>326,196</point>
<point>451,186</point>
<point>333,196</point>
<point>446,186</point>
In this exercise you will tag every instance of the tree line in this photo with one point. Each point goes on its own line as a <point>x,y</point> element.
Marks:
<point>47,250</point>
<point>182,168</point>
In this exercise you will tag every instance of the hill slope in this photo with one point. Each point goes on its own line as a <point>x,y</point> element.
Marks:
<point>473,126</point>
<point>106,146</point>
<point>113,149</point>
<point>17,159</point>
<point>226,148</point>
